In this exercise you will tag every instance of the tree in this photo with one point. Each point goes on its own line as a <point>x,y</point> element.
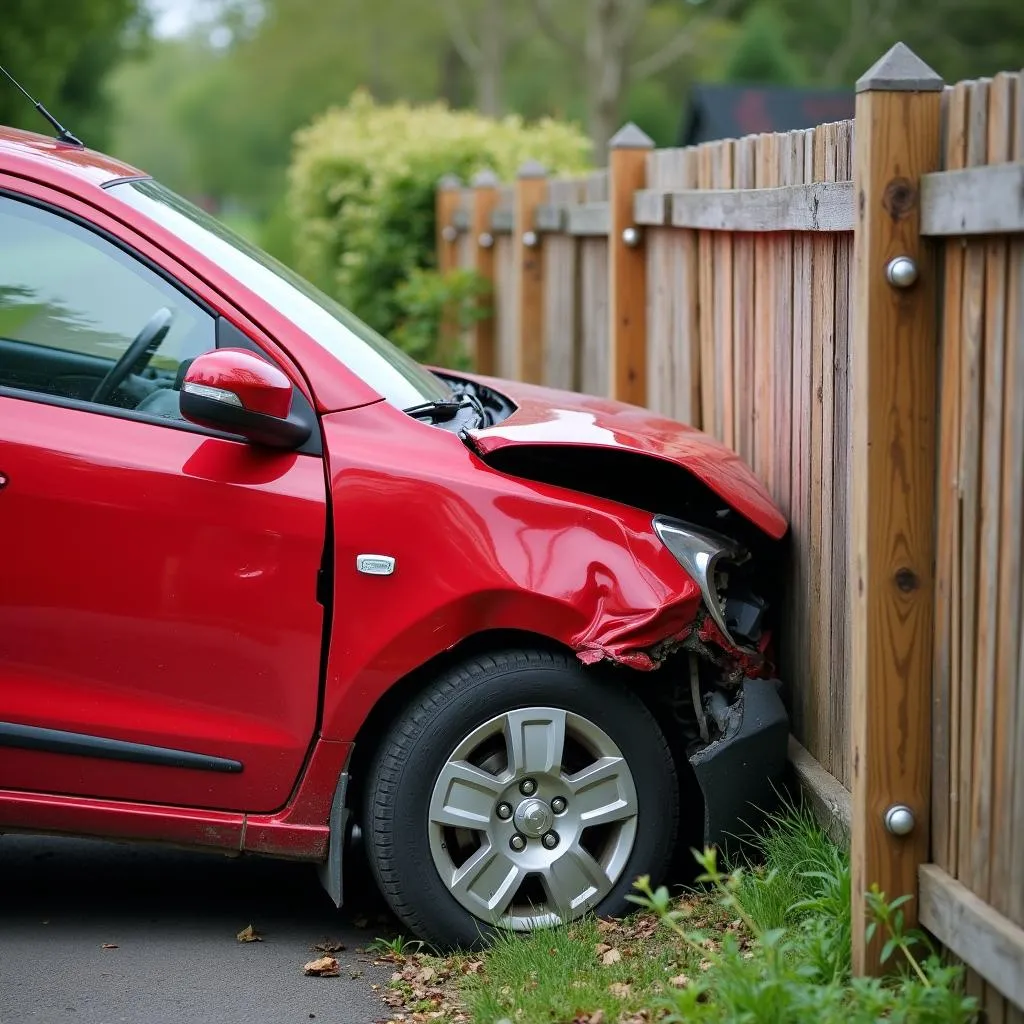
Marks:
<point>761,56</point>
<point>483,42</point>
<point>604,48</point>
<point>64,60</point>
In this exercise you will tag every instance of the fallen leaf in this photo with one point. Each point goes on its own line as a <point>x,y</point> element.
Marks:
<point>473,967</point>
<point>604,926</point>
<point>705,965</point>
<point>425,975</point>
<point>613,956</point>
<point>679,981</point>
<point>108,945</point>
<point>328,946</point>
<point>597,1017</point>
<point>602,948</point>
<point>323,967</point>
<point>249,934</point>
<point>619,989</point>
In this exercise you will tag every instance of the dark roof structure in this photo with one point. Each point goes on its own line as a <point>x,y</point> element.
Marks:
<point>732,111</point>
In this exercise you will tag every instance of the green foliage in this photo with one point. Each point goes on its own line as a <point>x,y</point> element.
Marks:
<point>362,191</point>
<point>761,55</point>
<point>797,969</point>
<point>436,310</point>
<point>63,57</point>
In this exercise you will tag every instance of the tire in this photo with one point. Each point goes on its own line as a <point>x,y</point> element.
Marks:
<point>452,886</point>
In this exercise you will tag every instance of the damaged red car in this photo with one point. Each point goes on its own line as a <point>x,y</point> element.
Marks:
<point>271,587</point>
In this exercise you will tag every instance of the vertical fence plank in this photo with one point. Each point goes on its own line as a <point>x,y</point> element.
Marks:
<point>765,176</point>
<point>998,146</point>
<point>594,261</point>
<point>505,303</point>
<point>946,677</point>
<point>743,308</point>
<point>485,200</point>
<point>627,267</point>
<point>971,334</point>
<point>790,159</point>
<point>662,372</point>
<point>724,299</point>
<point>823,287</point>
<point>893,368</point>
<point>531,186</point>
<point>710,407</point>
<point>562,296</point>
<point>839,631</point>
<point>685,274</point>
<point>1010,710</point>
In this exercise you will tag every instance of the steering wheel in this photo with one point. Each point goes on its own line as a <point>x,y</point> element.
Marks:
<point>137,355</point>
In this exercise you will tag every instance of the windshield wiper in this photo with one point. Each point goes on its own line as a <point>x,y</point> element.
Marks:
<point>437,412</point>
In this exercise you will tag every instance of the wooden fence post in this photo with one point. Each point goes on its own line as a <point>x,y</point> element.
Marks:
<point>528,260</point>
<point>485,199</point>
<point>893,369</point>
<point>627,268</point>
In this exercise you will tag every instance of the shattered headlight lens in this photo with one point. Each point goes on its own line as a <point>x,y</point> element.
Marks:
<point>706,557</point>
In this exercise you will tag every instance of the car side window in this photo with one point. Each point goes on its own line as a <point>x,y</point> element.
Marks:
<point>82,319</point>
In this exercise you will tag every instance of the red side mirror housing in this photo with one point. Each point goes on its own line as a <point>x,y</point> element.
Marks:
<point>236,391</point>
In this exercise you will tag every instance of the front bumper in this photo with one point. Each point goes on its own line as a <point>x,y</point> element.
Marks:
<point>741,774</point>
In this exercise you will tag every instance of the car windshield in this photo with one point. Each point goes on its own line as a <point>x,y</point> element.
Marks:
<point>385,368</point>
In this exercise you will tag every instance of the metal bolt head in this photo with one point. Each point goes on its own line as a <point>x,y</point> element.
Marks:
<point>527,787</point>
<point>517,842</point>
<point>550,840</point>
<point>558,804</point>
<point>504,811</point>
<point>530,239</point>
<point>899,820</point>
<point>631,236</point>
<point>449,233</point>
<point>486,240</point>
<point>901,272</point>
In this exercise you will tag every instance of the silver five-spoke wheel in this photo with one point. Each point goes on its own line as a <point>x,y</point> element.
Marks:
<point>533,818</point>
<point>517,790</point>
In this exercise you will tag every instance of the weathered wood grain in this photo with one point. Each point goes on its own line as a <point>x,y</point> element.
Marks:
<point>974,201</point>
<point>891,527</point>
<point>819,206</point>
<point>589,219</point>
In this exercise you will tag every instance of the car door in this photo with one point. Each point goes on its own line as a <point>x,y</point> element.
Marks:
<point>160,631</point>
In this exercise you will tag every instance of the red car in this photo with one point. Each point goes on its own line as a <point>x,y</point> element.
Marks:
<point>269,585</point>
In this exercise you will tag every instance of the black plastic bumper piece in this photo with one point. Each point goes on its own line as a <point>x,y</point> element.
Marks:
<point>742,774</point>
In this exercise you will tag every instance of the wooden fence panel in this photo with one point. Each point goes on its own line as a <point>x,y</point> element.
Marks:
<point>978,675</point>
<point>594,375</point>
<point>743,323</point>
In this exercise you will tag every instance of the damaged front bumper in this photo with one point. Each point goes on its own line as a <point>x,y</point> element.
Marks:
<point>741,771</point>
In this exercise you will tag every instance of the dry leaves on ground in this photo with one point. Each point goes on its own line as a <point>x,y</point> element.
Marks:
<point>620,989</point>
<point>323,967</point>
<point>424,980</point>
<point>597,1017</point>
<point>679,981</point>
<point>610,956</point>
<point>328,946</point>
<point>249,934</point>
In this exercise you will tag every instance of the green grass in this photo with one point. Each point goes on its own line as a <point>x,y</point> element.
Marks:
<point>763,943</point>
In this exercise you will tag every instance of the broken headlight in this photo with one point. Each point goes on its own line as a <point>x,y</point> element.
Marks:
<point>708,558</point>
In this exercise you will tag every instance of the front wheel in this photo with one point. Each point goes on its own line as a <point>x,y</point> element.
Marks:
<point>518,791</point>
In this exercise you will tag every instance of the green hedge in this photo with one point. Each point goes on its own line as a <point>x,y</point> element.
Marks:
<point>361,199</point>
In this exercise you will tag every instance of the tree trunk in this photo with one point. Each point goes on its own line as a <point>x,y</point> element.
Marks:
<point>607,49</point>
<point>490,73</point>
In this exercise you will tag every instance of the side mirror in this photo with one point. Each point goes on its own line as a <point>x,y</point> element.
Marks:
<point>236,391</point>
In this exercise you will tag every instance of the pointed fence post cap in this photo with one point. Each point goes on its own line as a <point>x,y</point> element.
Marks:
<point>532,169</point>
<point>449,182</point>
<point>629,136</point>
<point>900,70</point>
<point>485,179</point>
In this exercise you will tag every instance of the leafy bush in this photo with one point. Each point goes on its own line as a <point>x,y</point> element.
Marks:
<point>362,191</point>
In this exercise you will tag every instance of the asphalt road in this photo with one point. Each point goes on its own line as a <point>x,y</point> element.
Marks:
<point>173,917</point>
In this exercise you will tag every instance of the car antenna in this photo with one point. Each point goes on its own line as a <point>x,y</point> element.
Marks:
<point>63,135</point>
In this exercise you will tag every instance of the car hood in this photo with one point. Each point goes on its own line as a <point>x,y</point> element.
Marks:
<point>545,416</point>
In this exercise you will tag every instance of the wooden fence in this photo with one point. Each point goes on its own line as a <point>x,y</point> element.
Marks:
<point>844,306</point>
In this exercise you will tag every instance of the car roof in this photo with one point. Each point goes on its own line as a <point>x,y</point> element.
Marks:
<point>40,156</point>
